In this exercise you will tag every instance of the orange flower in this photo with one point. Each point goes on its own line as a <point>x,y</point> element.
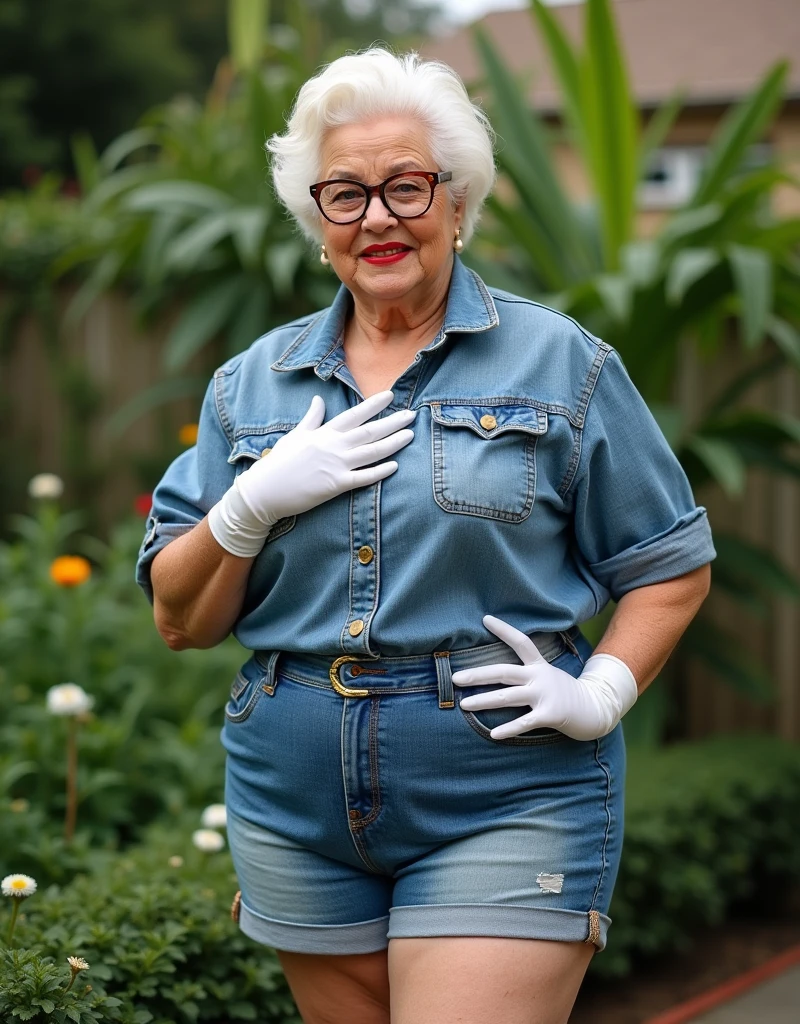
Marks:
<point>70,570</point>
<point>187,435</point>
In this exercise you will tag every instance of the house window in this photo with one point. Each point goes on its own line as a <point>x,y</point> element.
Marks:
<point>671,177</point>
<point>673,174</point>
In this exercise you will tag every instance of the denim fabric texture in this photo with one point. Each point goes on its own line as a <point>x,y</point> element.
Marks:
<point>537,487</point>
<point>354,820</point>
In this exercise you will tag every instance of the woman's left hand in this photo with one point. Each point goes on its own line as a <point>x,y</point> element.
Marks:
<point>584,708</point>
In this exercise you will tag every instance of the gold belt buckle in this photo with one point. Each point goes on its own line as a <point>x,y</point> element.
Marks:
<point>340,688</point>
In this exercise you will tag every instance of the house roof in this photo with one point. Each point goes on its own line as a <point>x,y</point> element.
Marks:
<point>715,50</point>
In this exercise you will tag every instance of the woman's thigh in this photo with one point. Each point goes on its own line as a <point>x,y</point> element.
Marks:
<point>472,979</point>
<point>328,989</point>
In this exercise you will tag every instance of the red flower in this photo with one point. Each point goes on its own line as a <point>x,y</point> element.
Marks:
<point>142,504</point>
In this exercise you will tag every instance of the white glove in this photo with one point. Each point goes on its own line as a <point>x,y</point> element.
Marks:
<point>307,466</point>
<point>584,708</point>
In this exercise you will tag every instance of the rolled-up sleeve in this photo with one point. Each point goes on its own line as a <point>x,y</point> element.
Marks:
<point>636,521</point>
<point>194,482</point>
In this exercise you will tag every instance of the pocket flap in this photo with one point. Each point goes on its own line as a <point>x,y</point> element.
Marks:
<point>253,445</point>
<point>491,420</point>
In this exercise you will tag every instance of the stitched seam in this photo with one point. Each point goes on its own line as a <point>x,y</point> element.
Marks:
<point>572,468</point>
<point>219,405</point>
<point>373,766</point>
<point>591,380</point>
<point>603,857</point>
<point>377,562</point>
<point>277,365</point>
<point>342,640</point>
<point>511,741</point>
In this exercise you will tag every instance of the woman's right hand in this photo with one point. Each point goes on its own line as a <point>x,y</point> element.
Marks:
<point>311,464</point>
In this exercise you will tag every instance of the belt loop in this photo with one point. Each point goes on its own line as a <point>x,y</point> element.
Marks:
<point>444,676</point>
<point>269,684</point>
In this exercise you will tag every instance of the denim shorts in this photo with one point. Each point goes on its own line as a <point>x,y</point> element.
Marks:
<point>365,804</point>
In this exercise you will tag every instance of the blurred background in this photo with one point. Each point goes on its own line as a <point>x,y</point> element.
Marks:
<point>649,157</point>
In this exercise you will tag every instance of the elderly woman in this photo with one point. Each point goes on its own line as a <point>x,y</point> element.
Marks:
<point>404,506</point>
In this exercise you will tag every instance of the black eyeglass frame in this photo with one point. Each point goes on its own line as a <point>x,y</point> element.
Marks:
<point>433,178</point>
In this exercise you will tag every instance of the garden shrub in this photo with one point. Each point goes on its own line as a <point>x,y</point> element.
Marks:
<point>151,747</point>
<point>159,941</point>
<point>706,824</point>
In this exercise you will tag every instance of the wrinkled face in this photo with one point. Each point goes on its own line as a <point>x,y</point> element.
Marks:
<point>369,152</point>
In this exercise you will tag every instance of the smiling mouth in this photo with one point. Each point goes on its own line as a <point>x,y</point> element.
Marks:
<point>392,251</point>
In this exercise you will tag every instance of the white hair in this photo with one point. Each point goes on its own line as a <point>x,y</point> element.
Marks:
<point>377,83</point>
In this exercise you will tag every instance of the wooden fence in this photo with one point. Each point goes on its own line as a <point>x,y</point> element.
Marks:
<point>120,361</point>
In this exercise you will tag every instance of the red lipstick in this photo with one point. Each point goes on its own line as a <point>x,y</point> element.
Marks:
<point>385,253</point>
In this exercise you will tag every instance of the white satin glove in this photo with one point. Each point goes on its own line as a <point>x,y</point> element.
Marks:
<point>311,464</point>
<point>584,708</point>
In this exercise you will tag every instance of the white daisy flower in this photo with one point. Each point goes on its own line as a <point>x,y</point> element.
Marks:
<point>215,816</point>
<point>20,886</point>
<point>45,485</point>
<point>175,861</point>
<point>68,699</point>
<point>77,963</point>
<point>208,840</point>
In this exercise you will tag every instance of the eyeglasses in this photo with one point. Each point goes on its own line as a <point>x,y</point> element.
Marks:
<point>407,195</point>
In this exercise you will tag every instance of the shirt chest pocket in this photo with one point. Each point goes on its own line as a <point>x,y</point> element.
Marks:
<point>250,447</point>
<point>484,458</point>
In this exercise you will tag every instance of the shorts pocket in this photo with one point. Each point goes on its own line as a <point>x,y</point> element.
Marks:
<point>484,457</point>
<point>249,448</point>
<point>568,660</point>
<point>484,721</point>
<point>248,687</point>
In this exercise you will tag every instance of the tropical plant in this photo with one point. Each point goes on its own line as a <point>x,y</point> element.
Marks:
<point>181,210</point>
<point>722,259</point>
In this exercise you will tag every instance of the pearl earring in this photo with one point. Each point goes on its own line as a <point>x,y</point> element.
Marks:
<point>323,257</point>
<point>458,245</point>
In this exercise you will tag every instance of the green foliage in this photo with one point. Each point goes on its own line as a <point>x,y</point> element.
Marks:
<point>159,941</point>
<point>151,746</point>
<point>723,257</point>
<point>707,824</point>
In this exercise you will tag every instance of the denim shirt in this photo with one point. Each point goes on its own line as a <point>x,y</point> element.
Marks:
<point>537,486</point>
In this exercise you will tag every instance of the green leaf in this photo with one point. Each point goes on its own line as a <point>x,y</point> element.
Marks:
<point>47,1005</point>
<point>658,128</point>
<point>722,461</point>
<point>566,66</point>
<point>610,120</point>
<point>725,655</point>
<point>247,20</point>
<point>193,244</point>
<point>524,154</point>
<point>616,293</point>
<point>145,401</point>
<point>202,319</point>
<point>680,228</point>
<point>282,262</point>
<point>166,196</point>
<point>740,128</point>
<point>121,148</point>
<point>688,267</point>
<point>756,567</point>
<point>752,272</point>
<point>786,337</point>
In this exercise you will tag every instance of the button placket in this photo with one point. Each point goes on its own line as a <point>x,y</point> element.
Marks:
<point>364,568</point>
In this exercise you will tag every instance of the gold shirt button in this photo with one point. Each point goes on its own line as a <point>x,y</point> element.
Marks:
<point>365,554</point>
<point>488,422</point>
<point>265,452</point>
<point>356,627</point>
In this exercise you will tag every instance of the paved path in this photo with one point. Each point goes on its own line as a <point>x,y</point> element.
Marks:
<point>776,1001</point>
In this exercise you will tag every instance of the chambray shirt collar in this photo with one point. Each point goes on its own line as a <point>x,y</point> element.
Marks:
<point>470,310</point>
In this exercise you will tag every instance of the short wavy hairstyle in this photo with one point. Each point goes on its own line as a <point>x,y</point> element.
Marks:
<point>378,83</point>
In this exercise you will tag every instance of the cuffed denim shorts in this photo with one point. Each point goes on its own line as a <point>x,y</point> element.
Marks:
<point>365,804</point>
